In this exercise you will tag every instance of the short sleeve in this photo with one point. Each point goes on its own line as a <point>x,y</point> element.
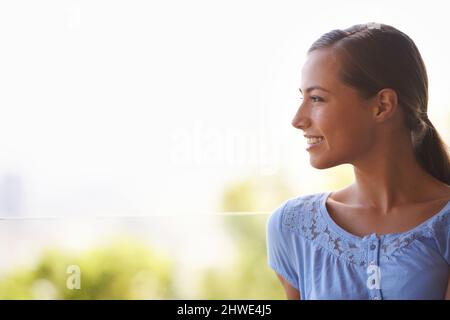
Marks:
<point>280,248</point>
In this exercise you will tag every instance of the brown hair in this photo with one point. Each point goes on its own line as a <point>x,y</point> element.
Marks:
<point>376,56</point>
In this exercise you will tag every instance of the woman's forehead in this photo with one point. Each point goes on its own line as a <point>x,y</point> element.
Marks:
<point>320,69</point>
<point>324,61</point>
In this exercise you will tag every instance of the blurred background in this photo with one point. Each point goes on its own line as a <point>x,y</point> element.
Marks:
<point>146,142</point>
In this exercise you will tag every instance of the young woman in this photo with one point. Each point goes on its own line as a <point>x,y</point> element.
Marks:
<point>387,235</point>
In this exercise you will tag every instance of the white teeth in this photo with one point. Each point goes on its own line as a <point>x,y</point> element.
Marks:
<point>314,140</point>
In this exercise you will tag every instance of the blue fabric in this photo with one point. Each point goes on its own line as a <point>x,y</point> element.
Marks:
<point>324,261</point>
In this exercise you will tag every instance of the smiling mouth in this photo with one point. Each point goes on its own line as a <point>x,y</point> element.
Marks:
<point>314,140</point>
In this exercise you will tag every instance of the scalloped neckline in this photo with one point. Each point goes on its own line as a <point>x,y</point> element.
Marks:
<point>348,234</point>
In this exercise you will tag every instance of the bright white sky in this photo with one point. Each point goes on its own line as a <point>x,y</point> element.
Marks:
<point>148,107</point>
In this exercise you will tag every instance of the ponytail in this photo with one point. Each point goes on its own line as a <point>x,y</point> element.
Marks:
<point>431,151</point>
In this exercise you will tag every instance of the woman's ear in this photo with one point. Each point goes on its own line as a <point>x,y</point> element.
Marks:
<point>386,103</point>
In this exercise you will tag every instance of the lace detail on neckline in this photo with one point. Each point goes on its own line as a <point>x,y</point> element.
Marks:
<point>303,216</point>
<point>425,230</point>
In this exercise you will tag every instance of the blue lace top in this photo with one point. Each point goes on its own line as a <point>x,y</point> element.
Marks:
<point>323,261</point>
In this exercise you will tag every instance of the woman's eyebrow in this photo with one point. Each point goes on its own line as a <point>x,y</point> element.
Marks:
<point>312,88</point>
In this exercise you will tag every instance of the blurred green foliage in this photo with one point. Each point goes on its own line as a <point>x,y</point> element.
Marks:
<point>122,269</point>
<point>129,269</point>
<point>249,277</point>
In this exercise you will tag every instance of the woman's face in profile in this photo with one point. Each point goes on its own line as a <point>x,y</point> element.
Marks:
<point>334,111</point>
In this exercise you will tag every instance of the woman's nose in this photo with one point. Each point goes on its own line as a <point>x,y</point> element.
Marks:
<point>299,121</point>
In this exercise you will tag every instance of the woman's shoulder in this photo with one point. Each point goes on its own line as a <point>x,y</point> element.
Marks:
<point>439,224</point>
<point>293,214</point>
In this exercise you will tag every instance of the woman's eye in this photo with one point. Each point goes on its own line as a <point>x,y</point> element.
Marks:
<point>313,98</point>
<point>316,99</point>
